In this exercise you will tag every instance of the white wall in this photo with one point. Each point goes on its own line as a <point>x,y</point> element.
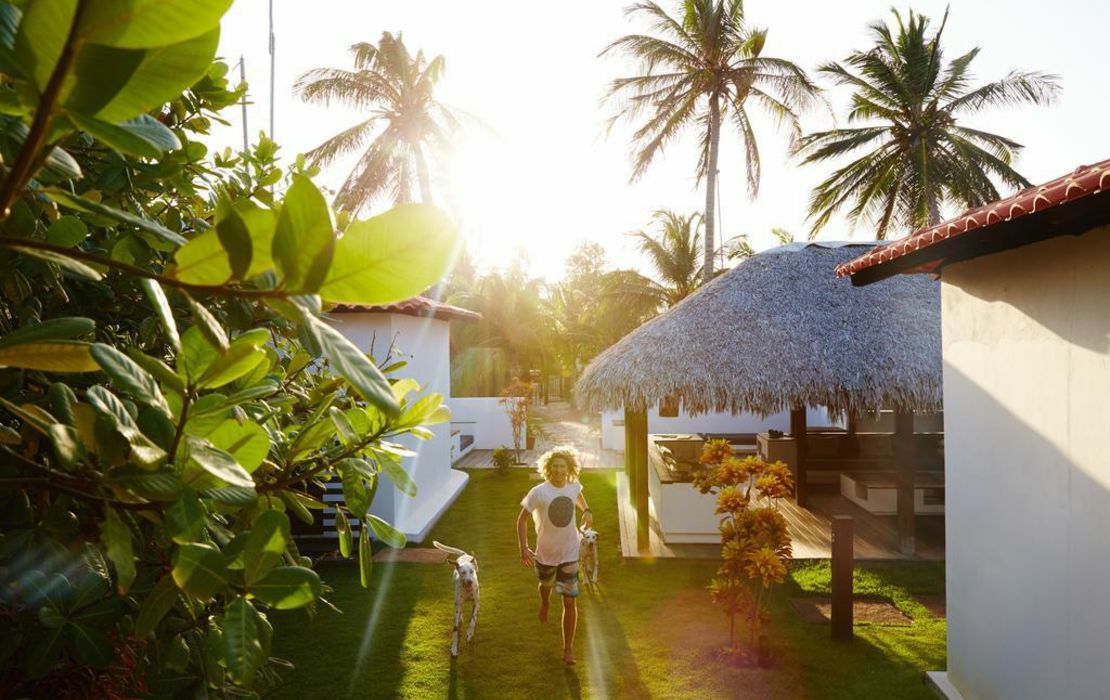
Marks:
<point>1027,447</point>
<point>612,436</point>
<point>423,343</point>
<point>483,417</point>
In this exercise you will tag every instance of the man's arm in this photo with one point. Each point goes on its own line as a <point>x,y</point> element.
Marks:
<point>527,556</point>
<point>587,514</point>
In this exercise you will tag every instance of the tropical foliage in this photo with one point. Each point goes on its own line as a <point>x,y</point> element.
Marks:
<point>755,543</point>
<point>406,127</point>
<point>703,68</point>
<point>920,153</point>
<point>674,254</point>
<point>170,396</point>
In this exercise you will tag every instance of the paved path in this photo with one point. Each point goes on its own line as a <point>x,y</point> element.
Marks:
<point>564,426</point>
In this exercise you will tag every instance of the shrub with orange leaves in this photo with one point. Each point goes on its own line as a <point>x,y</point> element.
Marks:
<point>754,535</point>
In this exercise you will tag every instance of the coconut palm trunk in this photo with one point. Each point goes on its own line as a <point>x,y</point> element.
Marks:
<point>422,178</point>
<point>711,188</point>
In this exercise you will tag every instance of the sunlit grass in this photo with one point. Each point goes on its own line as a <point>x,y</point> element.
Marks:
<point>649,630</point>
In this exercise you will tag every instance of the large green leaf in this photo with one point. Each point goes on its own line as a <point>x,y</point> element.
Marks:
<point>288,587</point>
<point>200,570</point>
<point>159,485</point>
<point>355,493</point>
<point>384,531</point>
<point>197,355</point>
<point>56,356</point>
<point>343,529</point>
<point>98,73</point>
<point>155,606</point>
<point>157,297</point>
<point>237,362</point>
<point>365,556</point>
<point>352,364</point>
<point>185,518</point>
<point>88,206</point>
<point>162,75</point>
<point>242,647</point>
<point>143,136</point>
<point>396,473</point>
<point>90,645</point>
<point>67,231</point>
<point>52,329</point>
<point>218,463</point>
<point>158,369</point>
<point>143,451</point>
<point>244,440</point>
<point>142,24</point>
<point>269,536</point>
<point>43,654</point>
<point>207,324</point>
<point>63,261</point>
<point>116,537</point>
<point>391,257</point>
<point>42,36</point>
<point>206,260</point>
<point>235,238</point>
<point>130,377</point>
<point>304,241</point>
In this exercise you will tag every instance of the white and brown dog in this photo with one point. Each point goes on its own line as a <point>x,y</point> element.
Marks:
<point>466,588</point>
<point>587,554</point>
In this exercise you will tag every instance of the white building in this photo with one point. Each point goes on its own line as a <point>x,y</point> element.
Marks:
<point>1026,341</point>
<point>418,331</point>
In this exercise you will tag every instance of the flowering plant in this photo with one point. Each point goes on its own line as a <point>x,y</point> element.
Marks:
<point>755,543</point>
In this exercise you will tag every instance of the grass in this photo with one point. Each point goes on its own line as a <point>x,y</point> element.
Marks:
<point>648,631</point>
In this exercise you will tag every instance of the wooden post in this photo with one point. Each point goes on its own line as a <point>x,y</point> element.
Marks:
<point>629,455</point>
<point>640,466</point>
<point>798,432</point>
<point>842,564</point>
<point>904,458</point>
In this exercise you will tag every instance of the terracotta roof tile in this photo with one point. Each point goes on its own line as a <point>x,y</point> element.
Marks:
<point>416,306</point>
<point>1082,182</point>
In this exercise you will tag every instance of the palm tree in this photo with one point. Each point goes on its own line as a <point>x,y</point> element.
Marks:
<point>922,155</point>
<point>405,124</point>
<point>701,70</point>
<point>673,253</point>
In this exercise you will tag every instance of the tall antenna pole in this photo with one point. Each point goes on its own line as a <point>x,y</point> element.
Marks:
<point>272,55</point>
<point>243,101</point>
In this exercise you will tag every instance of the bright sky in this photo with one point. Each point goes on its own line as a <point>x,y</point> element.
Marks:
<point>549,178</point>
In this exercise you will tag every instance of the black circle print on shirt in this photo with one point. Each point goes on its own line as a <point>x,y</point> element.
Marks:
<point>560,511</point>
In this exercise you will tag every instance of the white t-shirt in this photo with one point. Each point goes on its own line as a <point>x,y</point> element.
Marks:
<point>555,514</point>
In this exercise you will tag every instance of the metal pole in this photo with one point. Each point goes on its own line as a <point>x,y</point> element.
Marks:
<point>243,102</point>
<point>273,52</point>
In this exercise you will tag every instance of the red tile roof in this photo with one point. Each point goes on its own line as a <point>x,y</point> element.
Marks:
<point>416,306</point>
<point>1085,181</point>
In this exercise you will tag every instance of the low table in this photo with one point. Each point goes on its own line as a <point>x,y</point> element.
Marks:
<point>877,491</point>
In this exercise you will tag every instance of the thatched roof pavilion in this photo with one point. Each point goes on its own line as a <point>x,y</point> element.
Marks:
<point>780,331</point>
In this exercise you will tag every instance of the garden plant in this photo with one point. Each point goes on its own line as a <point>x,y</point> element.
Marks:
<point>170,395</point>
<point>754,538</point>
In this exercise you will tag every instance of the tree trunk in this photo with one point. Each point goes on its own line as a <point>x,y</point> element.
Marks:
<point>422,177</point>
<point>711,188</point>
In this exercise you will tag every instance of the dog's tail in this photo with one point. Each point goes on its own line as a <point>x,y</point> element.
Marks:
<point>450,550</point>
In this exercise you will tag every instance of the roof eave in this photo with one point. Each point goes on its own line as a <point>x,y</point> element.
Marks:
<point>1072,219</point>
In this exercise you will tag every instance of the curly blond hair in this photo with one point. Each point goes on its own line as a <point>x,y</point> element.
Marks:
<point>568,453</point>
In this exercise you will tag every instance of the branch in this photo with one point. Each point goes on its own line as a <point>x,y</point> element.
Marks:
<point>29,156</point>
<point>78,254</point>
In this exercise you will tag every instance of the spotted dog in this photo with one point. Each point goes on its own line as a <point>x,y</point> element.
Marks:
<point>588,554</point>
<point>466,588</point>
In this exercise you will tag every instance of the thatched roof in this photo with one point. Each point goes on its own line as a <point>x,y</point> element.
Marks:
<point>781,330</point>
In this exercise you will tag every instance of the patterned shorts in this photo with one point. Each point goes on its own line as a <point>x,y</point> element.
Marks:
<point>564,576</point>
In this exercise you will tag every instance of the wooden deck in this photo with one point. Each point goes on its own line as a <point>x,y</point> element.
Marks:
<point>810,531</point>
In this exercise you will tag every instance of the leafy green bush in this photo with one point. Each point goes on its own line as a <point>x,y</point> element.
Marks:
<point>169,392</point>
<point>503,459</point>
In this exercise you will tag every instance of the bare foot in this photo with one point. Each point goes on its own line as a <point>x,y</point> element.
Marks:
<point>543,611</point>
<point>568,658</point>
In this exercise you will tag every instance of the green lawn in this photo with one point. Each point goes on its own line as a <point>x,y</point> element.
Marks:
<point>650,630</point>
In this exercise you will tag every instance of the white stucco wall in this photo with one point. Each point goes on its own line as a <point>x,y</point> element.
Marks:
<point>483,417</point>
<point>612,436</point>
<point>1027,430</point>
<point>424,344</point>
